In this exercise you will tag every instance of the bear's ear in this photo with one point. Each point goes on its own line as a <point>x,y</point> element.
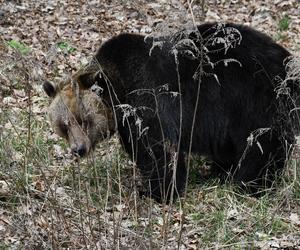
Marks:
<point>87,80</point>
<point>49,88</point>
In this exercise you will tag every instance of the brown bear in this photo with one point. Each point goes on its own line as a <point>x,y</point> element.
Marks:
<point>78,115</point>
<point>214,91</point>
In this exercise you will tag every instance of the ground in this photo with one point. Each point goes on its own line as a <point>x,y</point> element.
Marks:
<point>50,200</point>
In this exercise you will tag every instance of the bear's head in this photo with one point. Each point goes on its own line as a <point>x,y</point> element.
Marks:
<point>78,115</point>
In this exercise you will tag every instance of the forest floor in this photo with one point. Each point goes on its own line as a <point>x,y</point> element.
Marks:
<point>48,200</point>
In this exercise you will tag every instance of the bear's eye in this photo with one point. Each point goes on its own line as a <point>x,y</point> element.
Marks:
<point>84,122</point>
<point>63,129</point>
<point>87,123</point>
<point>79,120</point>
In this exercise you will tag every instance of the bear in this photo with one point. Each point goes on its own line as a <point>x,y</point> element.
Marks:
<point>214,90</point>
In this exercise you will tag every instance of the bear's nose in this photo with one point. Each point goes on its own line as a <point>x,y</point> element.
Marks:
<point>79,150</point>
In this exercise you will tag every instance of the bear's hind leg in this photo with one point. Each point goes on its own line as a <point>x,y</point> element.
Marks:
<point>261,163</point>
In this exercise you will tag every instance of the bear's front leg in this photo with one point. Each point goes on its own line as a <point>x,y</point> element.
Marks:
<point>164,172</point>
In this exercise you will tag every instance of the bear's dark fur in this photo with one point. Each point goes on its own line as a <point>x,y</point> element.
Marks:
<point>241,123</point>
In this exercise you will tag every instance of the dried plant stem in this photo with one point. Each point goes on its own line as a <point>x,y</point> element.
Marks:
<point>200,72</point>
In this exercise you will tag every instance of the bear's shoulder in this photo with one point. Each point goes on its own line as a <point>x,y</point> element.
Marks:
<point>122,46</point>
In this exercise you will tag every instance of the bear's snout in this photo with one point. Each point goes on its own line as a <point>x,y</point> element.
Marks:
<point>79,141</point>
<point>79,150</point>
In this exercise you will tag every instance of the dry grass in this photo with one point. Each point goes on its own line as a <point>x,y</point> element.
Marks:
<point>50,200</point>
